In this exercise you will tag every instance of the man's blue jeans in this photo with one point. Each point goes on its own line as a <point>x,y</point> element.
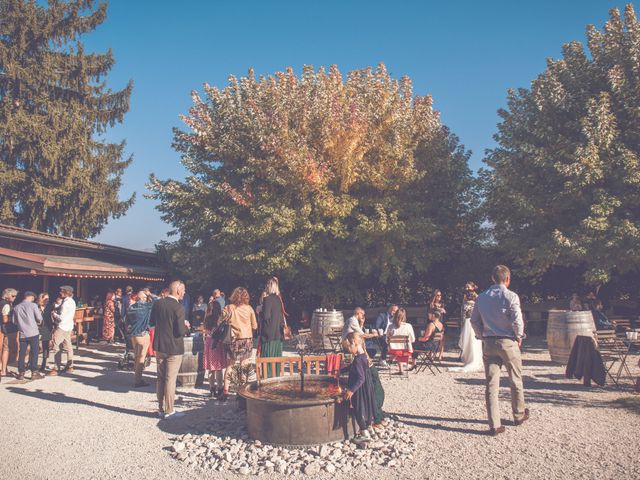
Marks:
<point>34,344</point>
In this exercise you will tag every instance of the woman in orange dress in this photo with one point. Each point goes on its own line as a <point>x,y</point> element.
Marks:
<point>109,324</point>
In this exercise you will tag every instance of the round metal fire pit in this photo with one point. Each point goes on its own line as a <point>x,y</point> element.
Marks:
<point>278,413</point>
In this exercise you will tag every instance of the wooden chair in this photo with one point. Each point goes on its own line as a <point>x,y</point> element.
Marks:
<point>78,320</point>
<point>429,358</point>
<point>399,343</point>
<point>613,351</point>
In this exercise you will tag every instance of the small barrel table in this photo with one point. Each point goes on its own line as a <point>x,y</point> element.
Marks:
<point>562,329</point>
<point>191,372</point>
<point>322,325</point>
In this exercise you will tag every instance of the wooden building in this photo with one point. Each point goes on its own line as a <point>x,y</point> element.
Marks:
<point>42,262</point>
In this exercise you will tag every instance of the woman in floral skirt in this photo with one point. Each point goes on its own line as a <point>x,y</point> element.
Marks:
<point>215,359</point>
<point>109,323</point>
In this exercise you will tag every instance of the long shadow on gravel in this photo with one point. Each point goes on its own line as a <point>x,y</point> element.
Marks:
<point>438,426</point>
<point>535,391</point>
<point>437,419</point>
<point>62,398</point>
<point>530,383</point>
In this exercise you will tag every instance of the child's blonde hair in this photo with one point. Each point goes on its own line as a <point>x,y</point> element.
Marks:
<point>354,338</point>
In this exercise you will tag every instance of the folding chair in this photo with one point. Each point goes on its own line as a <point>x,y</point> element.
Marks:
<point>453,324</point>
<point>399,343</point>
<point>624,323</point>
<point>429,358</point>
<point>304,332</point>
<point>613,350</point>
<point>335,340</point>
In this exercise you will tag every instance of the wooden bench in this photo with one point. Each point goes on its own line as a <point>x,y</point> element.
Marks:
<point>283,366</point>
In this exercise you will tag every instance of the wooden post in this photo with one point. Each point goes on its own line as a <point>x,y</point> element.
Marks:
<point>78,288</point>
<point>45,284</point>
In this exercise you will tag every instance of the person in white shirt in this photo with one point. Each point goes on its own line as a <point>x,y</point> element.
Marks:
<point>63,316</point>
<point>401,351</point>
<point>353,324</point>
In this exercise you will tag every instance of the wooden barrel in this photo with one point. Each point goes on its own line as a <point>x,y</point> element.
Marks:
<point>563,327</point>
<point>191,371</point>
<point>322,323</point>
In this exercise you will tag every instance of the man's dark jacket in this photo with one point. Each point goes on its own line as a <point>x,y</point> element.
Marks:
<point>168,315</point>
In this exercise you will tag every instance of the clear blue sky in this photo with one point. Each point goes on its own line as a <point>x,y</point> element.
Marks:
<point>466,54</point>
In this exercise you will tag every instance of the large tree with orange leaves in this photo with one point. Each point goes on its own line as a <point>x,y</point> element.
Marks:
<point>332,183</point>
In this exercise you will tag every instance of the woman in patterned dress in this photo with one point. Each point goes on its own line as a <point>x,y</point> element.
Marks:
<point>214,359</point>
<point>242,320</point>
<point>109,324</point>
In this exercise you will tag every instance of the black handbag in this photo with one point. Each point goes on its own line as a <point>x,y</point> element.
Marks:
<point>221,331</point>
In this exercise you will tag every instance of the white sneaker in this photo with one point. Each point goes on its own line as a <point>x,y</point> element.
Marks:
<point>383,363</point>
<point>362,437</point>
<point>173,414</point>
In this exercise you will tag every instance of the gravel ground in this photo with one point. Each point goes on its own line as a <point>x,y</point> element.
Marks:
<point>91,424</point>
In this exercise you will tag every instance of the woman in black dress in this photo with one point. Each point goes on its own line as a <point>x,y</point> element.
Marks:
<point>271,324</point>
<point>46,328</point>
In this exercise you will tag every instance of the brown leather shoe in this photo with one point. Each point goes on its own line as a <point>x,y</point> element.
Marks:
<point>52,373</point>
<point>68,370</point>
<point>496,431</point>
<point>36,376</point>
<point>523,419</point>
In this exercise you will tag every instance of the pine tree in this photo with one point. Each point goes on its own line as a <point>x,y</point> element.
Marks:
<point>564,188</point>
<point>57,173</point>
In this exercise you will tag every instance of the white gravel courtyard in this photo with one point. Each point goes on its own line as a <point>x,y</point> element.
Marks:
<point>92,424</point>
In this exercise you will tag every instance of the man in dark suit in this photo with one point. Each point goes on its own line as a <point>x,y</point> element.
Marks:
<point>168,343</point>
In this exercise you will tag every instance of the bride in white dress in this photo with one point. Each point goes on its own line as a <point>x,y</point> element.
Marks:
<point>471,347</point>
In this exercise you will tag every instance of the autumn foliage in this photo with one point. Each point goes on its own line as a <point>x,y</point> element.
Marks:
<point>331,183</point>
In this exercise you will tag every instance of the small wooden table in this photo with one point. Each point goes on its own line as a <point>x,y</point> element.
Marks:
<point>83,315</point>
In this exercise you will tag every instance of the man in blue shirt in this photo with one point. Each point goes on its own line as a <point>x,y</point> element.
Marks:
<point>218,296</point>
<point>497,320</point>
<point>27,317</point>
<point>601,320</point>
<point>383,321</point>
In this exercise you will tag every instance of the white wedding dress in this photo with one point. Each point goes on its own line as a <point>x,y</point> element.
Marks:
<point>471,347</point>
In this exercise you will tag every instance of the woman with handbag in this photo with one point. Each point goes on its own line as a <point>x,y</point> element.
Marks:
<point>272,324</point>
<point>214,358</point>
<point>242,320</point>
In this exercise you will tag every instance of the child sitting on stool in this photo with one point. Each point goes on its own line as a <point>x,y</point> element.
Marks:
<point>360,389</point>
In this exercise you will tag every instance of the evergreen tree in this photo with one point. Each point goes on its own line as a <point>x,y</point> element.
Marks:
<point>335,185</point>
<point>564,188</point>
<point>56,172</point>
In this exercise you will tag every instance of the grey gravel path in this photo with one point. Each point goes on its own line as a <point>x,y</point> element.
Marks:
<point>91,424</point>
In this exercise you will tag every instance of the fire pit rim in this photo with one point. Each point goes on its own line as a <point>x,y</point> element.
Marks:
<point>245,391</point>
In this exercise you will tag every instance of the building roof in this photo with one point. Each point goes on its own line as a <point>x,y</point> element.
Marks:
<point>28,252</point>
<point>53,239</point>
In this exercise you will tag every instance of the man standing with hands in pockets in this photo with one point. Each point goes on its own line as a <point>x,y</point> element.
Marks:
<point>497,321</point>
<point>168,343</point>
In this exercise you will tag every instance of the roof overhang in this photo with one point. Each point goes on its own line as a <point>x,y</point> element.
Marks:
<point>83,267</point>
